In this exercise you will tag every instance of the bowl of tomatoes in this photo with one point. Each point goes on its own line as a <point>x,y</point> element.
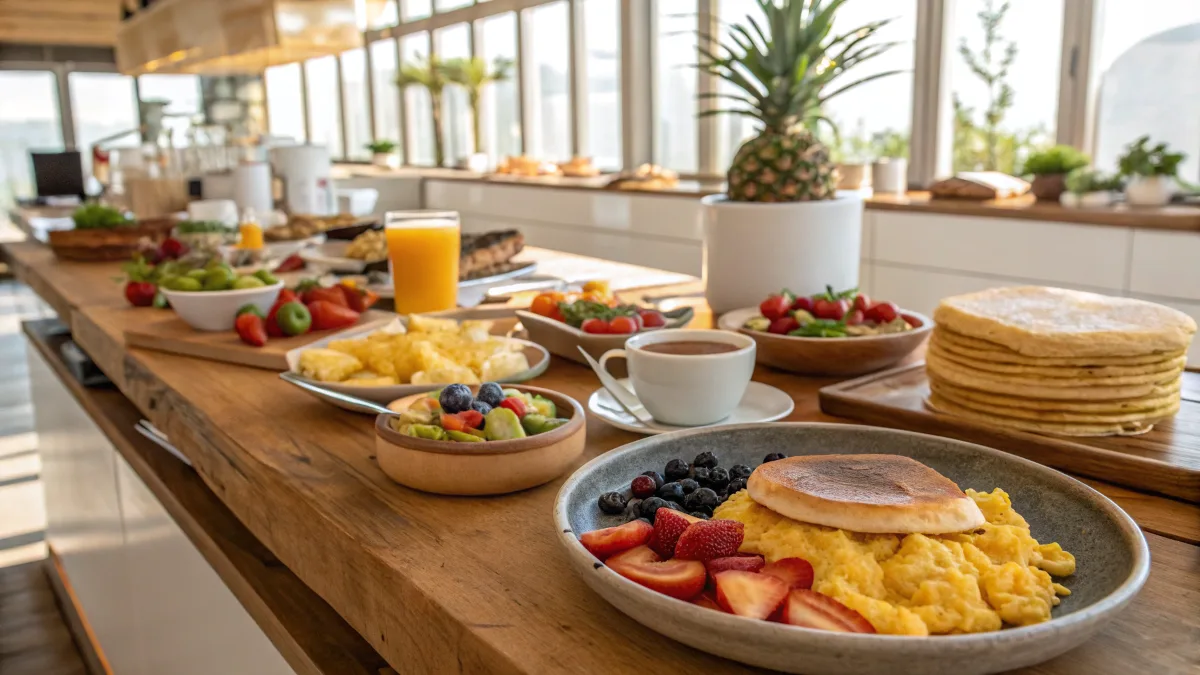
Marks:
<point>594,320</point>
<point>832,333</point>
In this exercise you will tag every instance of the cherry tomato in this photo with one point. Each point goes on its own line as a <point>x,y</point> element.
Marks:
<point>514,404</point>
<point>855,317</point>
<point>861,302</point>
<point>652,318</point>
<point>783,325</point>
<point>557,314</point>
<point>594,326</point>
<point>471,418</point>
<point>830,309</point>
<point>803,302</point>
<point>883,312</point>
<point>775,306</point>
<point>545,304</point>
<point>623,325</point>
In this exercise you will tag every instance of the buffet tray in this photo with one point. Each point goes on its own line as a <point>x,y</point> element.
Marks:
<point>1165,460</point>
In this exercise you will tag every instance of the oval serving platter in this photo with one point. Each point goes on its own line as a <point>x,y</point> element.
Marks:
<point>1113,560</point>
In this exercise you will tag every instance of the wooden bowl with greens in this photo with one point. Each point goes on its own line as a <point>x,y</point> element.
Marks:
<point>104,234</point>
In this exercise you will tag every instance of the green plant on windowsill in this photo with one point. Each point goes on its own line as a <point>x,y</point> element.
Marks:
<point>428,73</point>
<point>1083,180</point>
<point>890,144</point>
<point>1140,160</point>
<point>1060,159</point>
<point>381,146</point>
<point>472,74</point>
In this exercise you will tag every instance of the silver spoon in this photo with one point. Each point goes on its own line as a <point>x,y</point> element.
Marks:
<point>362,403</point>
<point>625,398</point>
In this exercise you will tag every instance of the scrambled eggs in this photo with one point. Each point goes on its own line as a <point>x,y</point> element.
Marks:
<point>916,584</point>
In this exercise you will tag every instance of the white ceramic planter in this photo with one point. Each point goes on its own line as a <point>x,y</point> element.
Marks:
<point>1149,190</point>
<point>853,176</point>
<point>477,162</point>
<point>890,175</point>
<point>386,160</point>
<point>1087,200</point>
<point>754,249</point>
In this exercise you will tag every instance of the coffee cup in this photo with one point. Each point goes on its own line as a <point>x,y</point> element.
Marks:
<point>687,377</point>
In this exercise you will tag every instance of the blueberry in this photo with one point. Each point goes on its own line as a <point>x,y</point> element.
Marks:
<point>650,506</point>
<point>633,510</point>
<point>774,456</point>
<point>481,406</point>
<point>705,459</point>
<point>736,485</point>
<point>672,492</point>
<point>612,503</point>
<point>658,479</point>
<point>675,506</point>
<point>643,486</point>
<point>699,514</point>
<point>739,471</point>
<point>700,475</point>
<point>689,486</point>
<point>456,398</point>
<point>491,394</point>
<point>718,478</point>
<point>676,469</point>
<point>702,499</point>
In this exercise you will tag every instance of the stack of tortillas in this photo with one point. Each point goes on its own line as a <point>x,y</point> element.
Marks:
<point>1055,361</point>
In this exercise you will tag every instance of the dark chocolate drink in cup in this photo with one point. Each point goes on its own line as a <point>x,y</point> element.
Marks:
<point>689,347</point>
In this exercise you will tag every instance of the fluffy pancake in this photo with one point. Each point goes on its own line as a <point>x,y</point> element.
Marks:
<point>864,493</point>
<point>982,351</point>
<point>1055,322</point>
<point>1052,372</point>
<point>1095,389</point>
<point>969,397</point>
<point>1043,427</point>
<point>1049,414</point>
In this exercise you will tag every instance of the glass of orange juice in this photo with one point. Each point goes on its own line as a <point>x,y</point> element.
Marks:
<point>423,251</point>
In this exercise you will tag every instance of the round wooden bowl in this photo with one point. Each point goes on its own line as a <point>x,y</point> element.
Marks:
<point>488,468</point>
<point>840,357</point>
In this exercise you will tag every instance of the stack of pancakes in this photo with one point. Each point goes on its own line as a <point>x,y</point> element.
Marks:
<point>1055,361</point>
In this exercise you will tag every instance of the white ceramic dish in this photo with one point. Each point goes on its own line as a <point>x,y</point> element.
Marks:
<point>539,360</point>
<point>216,310</point>
<point>564,339</point>
<point>331,256</point>
<point>761,403</point>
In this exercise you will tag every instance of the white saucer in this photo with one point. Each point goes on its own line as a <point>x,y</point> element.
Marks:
<point>761,403</point>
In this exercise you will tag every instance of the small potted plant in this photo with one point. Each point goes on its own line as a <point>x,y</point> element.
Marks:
<point>1049,169</point>
<point>851,153</point>
<point>383,153</point>
<point>889,173</point>
<point>1087,188</point>
<point>1152,172</point>
<point>780,222</point>
<point>472,74</point>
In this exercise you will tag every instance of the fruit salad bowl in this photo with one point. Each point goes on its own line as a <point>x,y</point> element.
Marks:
<point>831,356</point>
<point>490,467</point>
<point>1111,551</point>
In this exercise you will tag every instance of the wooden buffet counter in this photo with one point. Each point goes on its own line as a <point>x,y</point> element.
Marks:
<point>344,570</point>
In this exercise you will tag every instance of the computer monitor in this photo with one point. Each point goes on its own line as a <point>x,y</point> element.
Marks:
<point>58,174</point>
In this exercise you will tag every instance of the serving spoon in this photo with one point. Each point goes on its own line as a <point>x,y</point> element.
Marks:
<point>361,403</point>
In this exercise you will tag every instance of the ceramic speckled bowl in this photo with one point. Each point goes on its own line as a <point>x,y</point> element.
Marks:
<point>1112,558</point>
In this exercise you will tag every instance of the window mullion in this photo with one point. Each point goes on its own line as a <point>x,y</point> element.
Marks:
<point>577,77</point>
<point>637,82</point>
<point>1076,80</point>
<point>706,127</point>
<point>932,138</point>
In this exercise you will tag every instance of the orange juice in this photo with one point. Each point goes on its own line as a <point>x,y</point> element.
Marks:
<point>423,253</point>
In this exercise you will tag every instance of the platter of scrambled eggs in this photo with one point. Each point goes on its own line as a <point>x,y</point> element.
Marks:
<point>1052,562</point>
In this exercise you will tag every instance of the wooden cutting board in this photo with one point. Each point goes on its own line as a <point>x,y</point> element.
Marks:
<point>164,331</point>
<point>1165,460</point>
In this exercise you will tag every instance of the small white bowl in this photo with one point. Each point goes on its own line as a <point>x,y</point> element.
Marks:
<point>215,310</point>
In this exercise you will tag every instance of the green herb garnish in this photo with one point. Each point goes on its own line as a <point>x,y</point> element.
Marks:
<point>99,217</point>
<point>575,313</point>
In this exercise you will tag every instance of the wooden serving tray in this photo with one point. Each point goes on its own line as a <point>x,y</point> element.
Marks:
<point>1165,460</point>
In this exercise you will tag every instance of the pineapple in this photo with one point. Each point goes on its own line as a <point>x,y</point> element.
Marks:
<point>781,64</point>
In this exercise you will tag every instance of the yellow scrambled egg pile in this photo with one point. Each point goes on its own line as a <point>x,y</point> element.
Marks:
<point>917,584</point>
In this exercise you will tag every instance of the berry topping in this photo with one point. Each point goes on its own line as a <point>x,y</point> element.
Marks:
<point>703,499</point>
<point>749,594</point>
<point>689,486</point>
<point>813,610</point>
<point>683,579</point>
<point>672,492</point>
<point>668,527</point>
<point>612,503</point>
<point>705,459</point>
<point>611,540</point>
<point>710,539</point>
<point>456,398</point>
<point>797,573</point>
<point>739,471</point>
<point>491,394</point>
<point>774,456</point>
<point>658,479</point>
<point>643,486</point>
<point>676,469</point>
<point>650,507</point>
<point>745,563</point>
<point>718,478</point>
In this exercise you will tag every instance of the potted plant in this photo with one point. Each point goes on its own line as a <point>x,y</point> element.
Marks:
<point>1152,172</point>
<point>850,154</point>
<point>1049,169</point>
<point>383,153</point>
<point>472,74</point>
<point>889,173</point>
<point>1090,188</point>
<point>780,223</point>
<point>428,73</point>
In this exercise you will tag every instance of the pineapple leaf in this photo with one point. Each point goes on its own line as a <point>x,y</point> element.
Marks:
<point>854,84</point>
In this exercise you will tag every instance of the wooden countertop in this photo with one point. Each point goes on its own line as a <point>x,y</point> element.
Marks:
<point>439,584</point>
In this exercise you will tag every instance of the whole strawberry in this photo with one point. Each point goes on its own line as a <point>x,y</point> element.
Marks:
<point>710,539</point>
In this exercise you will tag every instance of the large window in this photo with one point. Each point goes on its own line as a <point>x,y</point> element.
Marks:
<point>547,82</point>
<point>501,111</point>
<point>414,49</point>
<point>411,10</point>
<point>358,114</point>
<point>1004,81</point>
<point>104,104</point>
<point>602,94</point>
<point>454,42</point>
<point>324,114</point>
<point>732,130</point>
<point>675,85</point>
<point>29,120</point>
<point>182,94</point>
<point>1147,68</point>
<point>285,102</point>
<point>383,84</point>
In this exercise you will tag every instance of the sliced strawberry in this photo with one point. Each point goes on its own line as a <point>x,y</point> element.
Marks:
<point>708,600</point>
<point>749,594</point>
<point>810,609</point>
<point>795,572</point>
<point>710,539</point>
<point>668,526</point>
<point>683,579</point>
<point>610,540</point>
<point>746,563</point>
<point>635,555</point>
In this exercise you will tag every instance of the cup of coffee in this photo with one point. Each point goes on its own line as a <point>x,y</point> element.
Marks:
<point>688,377</point>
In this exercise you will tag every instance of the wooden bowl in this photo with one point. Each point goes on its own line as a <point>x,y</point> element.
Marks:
<point>488,468</point>
<point>108,245</point>
<point>841,357</point>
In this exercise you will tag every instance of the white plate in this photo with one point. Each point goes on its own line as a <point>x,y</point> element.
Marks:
<point>471,292</point>
<point>761,403</point>
<point>331,256</point>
